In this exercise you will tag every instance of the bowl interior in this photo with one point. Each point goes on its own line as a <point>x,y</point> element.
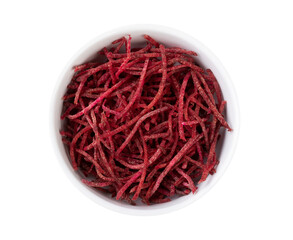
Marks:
<point>205,59</point>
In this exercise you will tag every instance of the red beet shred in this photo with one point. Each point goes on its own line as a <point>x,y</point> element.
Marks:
<point>143,123</point>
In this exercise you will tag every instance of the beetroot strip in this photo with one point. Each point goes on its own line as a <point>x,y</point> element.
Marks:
<point>96,184</point>
<point>130,166</point>
<point>206,87</point>
<point>216,86</point>
<point>83,140</point>
<point>85,66</point>
<point>214,122</point>
<point>209,166</point>
<point>201,123</point>
<point>67,112</point>
<point>192,66</point>
<point>72,145</point>
<point>99,169</point>
<point>188,178</point>
<point>197,102</point>
<point>127,184</point>
<point>181,104</point>
<point>82,82</point>
<point>151,40</point>
<point>155,136</point>
<point>123,65</point>
<point>137,94</point>
<point>212,107</point>
<point>181,179</point>
<point>127,140</point>
<point>99,99</point>
<point>176,50</point>
<point>101,151</point>
<point>178,156</point>
<point>121,41</point>
<point>144,170</point>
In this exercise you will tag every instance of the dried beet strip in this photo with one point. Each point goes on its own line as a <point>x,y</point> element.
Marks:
<point>181,104</point>
<point>188,178</point>
<point>138,90</point>
<point>151,40</point>
<point>139,122</point>
<point>96,184</point>
<point>177,50</point>
<point>177,157</point>
<point>207,100</point>
<point>126,60</point>
<point>99,99</point>
<point>144,171</point>
<point>143,124</point>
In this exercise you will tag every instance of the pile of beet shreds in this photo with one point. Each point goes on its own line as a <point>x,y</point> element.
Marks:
<point>144,123</point>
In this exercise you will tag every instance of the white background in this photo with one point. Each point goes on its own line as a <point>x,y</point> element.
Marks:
<point>254,41</point>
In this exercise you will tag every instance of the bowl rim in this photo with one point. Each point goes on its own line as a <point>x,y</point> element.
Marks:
<point>158,208</point>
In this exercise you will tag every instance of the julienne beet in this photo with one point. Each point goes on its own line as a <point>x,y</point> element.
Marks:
<point>144,123</point>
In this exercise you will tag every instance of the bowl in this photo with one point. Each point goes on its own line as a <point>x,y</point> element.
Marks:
<point>169,37</point>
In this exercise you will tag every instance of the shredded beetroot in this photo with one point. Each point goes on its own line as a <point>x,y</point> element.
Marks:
<point>144,124</point>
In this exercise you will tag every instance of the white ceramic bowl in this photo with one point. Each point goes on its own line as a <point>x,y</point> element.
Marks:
<point>169,37</point>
